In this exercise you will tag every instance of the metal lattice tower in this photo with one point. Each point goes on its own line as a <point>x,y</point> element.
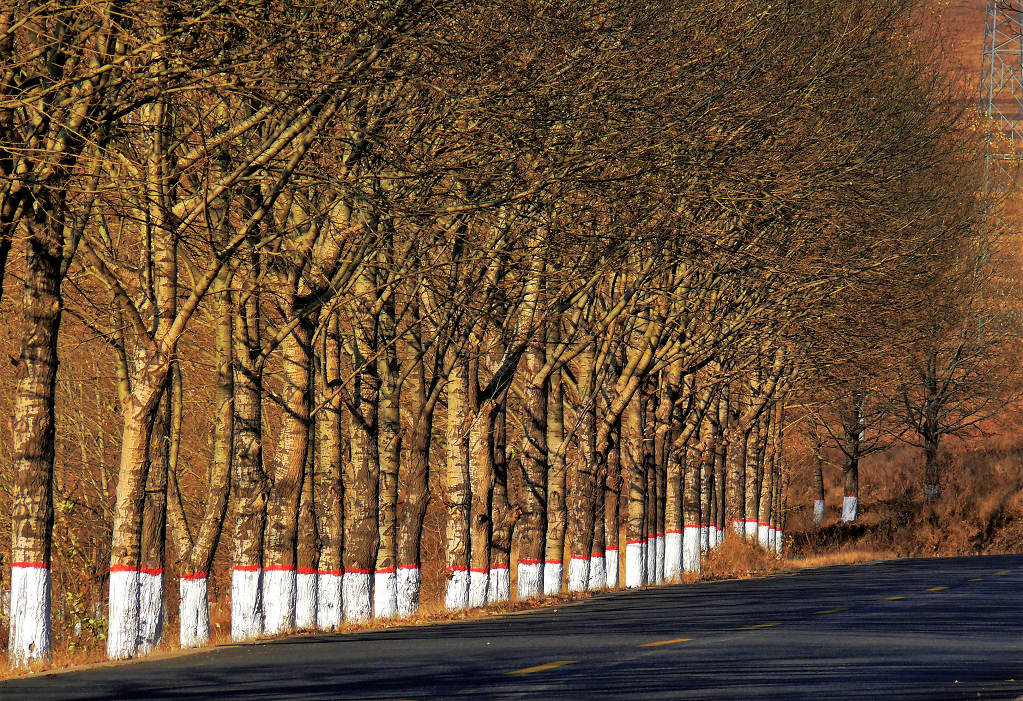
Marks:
<point>1001,83</point>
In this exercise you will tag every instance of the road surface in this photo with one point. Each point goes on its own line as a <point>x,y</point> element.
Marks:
<point>909,629</point>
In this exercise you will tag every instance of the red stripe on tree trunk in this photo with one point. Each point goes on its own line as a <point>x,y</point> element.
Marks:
<point>279,568</point>
<point>307,570</point>
<point>123,568</point>
<point>247,568</point>
<point>336,573</point>
<point>151,570</point>
<point>194,575</point>
<point>580,557</point>
<point>632,542</point>
<point>40,565</point>
<point>456,568</point>
<point>408,567</point>
<point>356,570</point>
<point>530,562</point>
<point>484,570</point>
<point>385,570</point>
<point>499,566</point>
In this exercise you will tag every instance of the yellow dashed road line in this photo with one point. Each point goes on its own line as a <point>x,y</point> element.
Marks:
<point>542,667</point>
<point>758,626</point>
<point>976,579</point>
<point>827,611</point>
<point>666,642</point>
<point>937,589</point>
<point>1002,572</point>
<point>894,598</point>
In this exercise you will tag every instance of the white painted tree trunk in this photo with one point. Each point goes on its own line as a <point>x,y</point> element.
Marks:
<point>673,555</point>
<point>635,564</point>
<point>530,579</point>
<point>279,595</point>
<point>764,535</point>
<point>850,508</point>
<point>598,575</point>
<point>691,547</point>
<point>30,613</point>
<point>328,599</point>
<point>751,529</point>
<point>704,537</point>
<point>778,543</point>
<point>456,595</point>
<point>193,611</point>
<point>552,576</point>
<point>650,558</point>
<point>150,610</point>
<point>611,567</point>
<point>385,593</point>
<point>357,596</point>
<point>479,584</point>
<point>819,510</point>
<point>246,603</point>
<point>306,596</point>
<point>407,589</point>
<point>579,573</point>
<point>659,558</point>
<point>499,584</point>
<point>123,613</point>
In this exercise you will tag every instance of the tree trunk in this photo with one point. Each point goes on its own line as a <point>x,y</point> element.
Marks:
<point>138,412</point>
<point>612,498</point>
<point>413,498</point>
<point>306,549</point>
<point>504,516</point>
<point>735,504</point>
<point>457,495</point>
<point>280,539</point>
<point>851,500</point>
<point>481,480</point>
<point>33,456</point>
<point>582,499</point>
<point>197,560</point>
<point>327,478</point>
<point>635,476</point>
<point>154,528</point>
<point>554,548</point>
<point>385,594</point>
<point>932,470</point>
<point>818,481</point>
<point>532,526</point>
<point>250,483</point>
<point>362,477</point>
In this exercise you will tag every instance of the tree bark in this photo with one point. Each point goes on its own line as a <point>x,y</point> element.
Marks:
<point>327,478</point>
<point>280,538</point>
<point>532,526</point>
<point>34,427</point>
<point>457,494</point>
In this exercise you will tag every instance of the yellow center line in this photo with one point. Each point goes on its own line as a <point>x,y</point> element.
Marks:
<point>937,589</point>
<point>666,642</point>
<point>1002,572</point>
<point>758,626</point>
<point>543,667</point>
<point>976,579</point>
<point>827,611</point>
<point>894,598</point>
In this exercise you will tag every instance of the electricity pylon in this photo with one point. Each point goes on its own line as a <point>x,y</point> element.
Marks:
<point>1001,86</point>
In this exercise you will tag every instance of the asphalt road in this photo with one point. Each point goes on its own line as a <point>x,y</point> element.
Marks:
<point>910,629</point>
